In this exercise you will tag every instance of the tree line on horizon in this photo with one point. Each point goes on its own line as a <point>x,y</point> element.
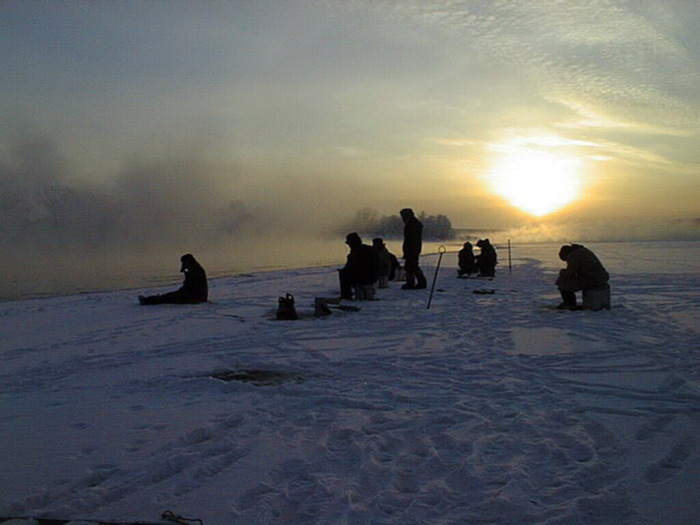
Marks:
<point>368,221</point>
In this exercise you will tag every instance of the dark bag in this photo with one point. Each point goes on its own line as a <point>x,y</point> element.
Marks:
<point>285,309</point>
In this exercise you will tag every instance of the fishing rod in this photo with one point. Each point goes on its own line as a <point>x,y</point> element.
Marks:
<point>441,251</point>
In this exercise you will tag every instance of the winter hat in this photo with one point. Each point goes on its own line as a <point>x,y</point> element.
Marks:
<point>564,251</point>
<point>185,259</point>
<point>353,239</point>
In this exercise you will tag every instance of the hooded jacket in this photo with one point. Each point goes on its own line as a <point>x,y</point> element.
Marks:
<point>583,271</point>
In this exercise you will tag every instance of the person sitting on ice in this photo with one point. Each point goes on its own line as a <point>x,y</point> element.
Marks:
<point>466,260</point>
<point>396,273</point>
<point>385,264</point>
<point>361,269</point>
<point>194,290</point>
<point>487,260</point>
<point>583,271</point>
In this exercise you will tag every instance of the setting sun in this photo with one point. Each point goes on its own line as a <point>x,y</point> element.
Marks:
<point>536,181</point>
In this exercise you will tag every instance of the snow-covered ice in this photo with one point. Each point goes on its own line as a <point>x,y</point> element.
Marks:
<point>489,408</point>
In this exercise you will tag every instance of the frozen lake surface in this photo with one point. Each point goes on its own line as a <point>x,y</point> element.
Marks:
<point>489,408</point>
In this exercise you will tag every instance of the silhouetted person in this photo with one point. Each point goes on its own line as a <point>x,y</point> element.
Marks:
<point>487,260</point>
<point>412,246</point>
<point>194,290</point>
<point>385,264</point>
<point>361,267</point>
<point>466,260</point>
<point>583,271</point>
<point>394,274</point>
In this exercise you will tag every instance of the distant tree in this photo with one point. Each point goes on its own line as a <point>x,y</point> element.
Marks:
<point>390,226</point>
<point>367,221</point>
<point>438,227</point>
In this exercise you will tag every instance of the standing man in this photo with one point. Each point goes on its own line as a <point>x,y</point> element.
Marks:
<point>412,246</point>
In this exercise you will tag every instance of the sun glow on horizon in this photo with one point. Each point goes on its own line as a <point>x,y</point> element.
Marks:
<point>537,181</point>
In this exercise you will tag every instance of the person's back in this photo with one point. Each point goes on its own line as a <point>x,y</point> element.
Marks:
<point>361,267</point>
<point>194,290</point>
<point>487,259</point>
<point>384,258</point>
<point>363,264</point>
<point>466,259</point>
<point>586,267</point>
<point>583,271</point>
<point>195,287</point>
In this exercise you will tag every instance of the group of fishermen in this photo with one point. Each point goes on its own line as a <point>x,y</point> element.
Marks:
<point>484,264</point>
<point>369,265</point>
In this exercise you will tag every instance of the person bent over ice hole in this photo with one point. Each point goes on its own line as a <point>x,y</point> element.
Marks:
<point>487,260</point>
<point>466,260</point>
<point>412,246</point>
<point>194,290</point>
<point>386,263</point>
<point>361,270</point>
<point>583,272</point>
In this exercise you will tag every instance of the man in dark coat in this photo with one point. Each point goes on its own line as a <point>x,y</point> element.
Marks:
<point>466,260</point>
<point>361,267</point>
<point>487,259</point>
<point>412,246</point>
<point>194,290</point>
<point>583,271</point>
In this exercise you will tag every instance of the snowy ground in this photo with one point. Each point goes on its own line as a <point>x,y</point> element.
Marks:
<point>482,409</point>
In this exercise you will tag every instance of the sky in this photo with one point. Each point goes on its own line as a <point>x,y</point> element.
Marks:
<point>131,122</point>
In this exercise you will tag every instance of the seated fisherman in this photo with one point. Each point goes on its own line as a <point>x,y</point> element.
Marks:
<point>583,271</point>
<point>487,259</point>
<point>466,260</point>
<point>194,290</point>
<point>385,264</point>
<point>361,268</point>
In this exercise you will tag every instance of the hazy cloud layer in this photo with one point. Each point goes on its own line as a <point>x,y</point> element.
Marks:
<point>130,122</point>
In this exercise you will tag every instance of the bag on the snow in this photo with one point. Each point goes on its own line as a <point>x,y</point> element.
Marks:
<point>285,309</point>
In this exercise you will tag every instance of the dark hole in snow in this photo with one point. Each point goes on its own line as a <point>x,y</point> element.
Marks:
<point>258,377</point>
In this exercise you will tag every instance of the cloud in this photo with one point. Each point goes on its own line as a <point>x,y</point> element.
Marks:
<point>605,230</point>
<point>181,199</point>
<point>185,195</point>
<point>338,104</point>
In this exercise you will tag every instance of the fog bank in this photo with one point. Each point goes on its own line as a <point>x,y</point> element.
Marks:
<point>133,220</point>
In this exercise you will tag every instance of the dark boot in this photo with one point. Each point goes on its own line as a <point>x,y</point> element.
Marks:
<point>422,282</point>
<point>345,284</point>
<point>410,281</point>
<point>568,300</point>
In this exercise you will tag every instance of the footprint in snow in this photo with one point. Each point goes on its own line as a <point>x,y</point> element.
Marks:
<point>671,464</point>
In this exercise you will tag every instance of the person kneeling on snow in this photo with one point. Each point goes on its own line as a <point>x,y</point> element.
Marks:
<point>466,260</point>
<point>487,260</point>
<point>583,271</point>
<point>194,290</point>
